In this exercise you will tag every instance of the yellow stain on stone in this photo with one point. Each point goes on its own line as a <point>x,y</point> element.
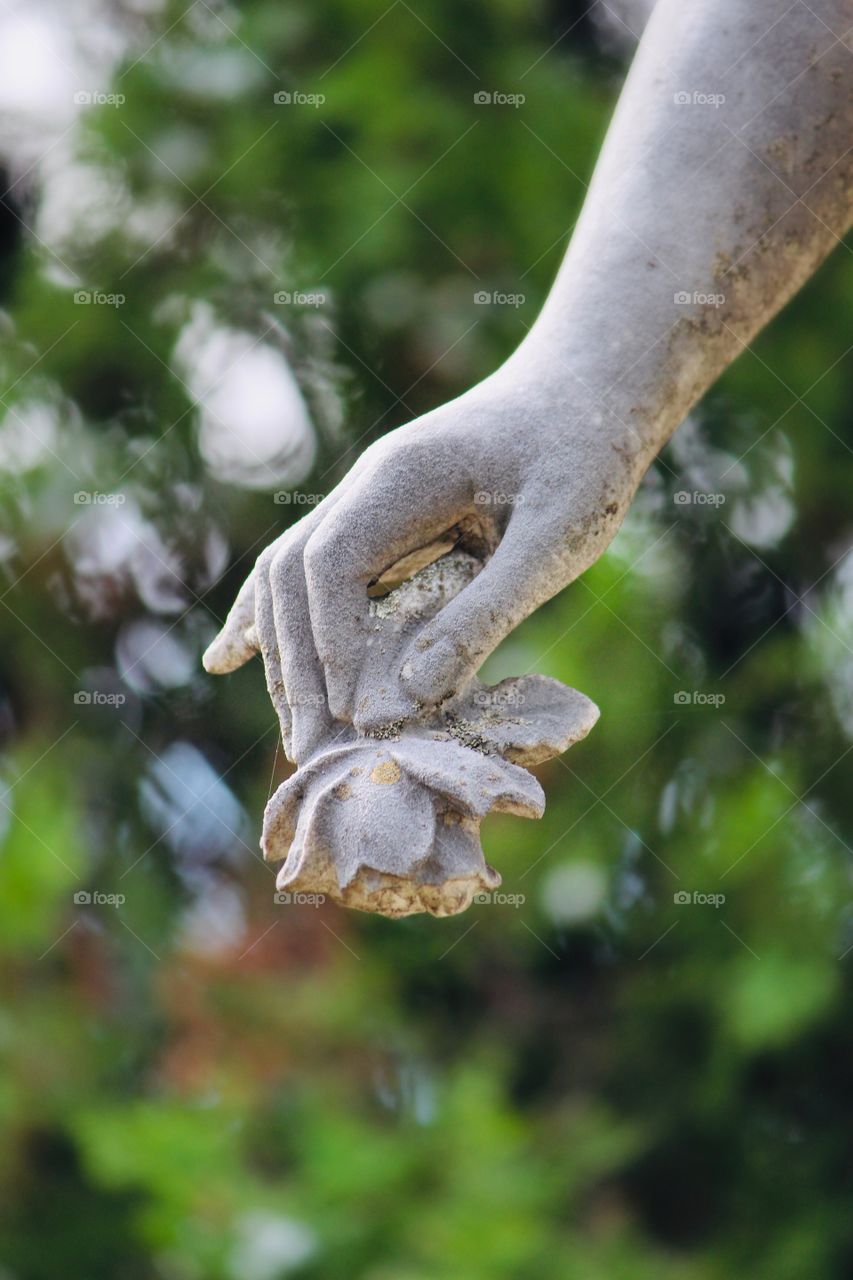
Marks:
<point>386,772</point>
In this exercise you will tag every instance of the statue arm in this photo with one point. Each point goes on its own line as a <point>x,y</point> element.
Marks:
<point>724,180</point>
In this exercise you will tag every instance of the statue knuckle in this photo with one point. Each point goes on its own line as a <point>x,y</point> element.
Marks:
<point>321,552</point>
<point>265,560</point>
<point>284,565</point>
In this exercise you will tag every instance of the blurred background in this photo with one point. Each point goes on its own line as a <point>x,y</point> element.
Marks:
<point>237,243</point>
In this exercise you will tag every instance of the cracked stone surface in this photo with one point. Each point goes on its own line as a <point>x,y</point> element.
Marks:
<point>390,822</point>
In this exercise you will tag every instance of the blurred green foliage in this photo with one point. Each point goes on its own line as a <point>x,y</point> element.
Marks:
<point>603,1083</point>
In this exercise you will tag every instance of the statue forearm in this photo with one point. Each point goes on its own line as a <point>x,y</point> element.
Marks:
<point>726,177</point>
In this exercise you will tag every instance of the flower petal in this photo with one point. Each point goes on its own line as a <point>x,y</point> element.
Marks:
<point>526,719</point>
<point>282,811</point>
<point>383,822</point>
<point>473,783</point>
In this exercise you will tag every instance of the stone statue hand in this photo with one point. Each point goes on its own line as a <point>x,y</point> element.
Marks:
<point>533,490</point>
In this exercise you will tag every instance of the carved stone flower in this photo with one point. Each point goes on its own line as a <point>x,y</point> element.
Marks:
<point>393,825</point>
<point>389,820</point>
